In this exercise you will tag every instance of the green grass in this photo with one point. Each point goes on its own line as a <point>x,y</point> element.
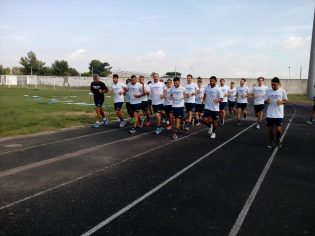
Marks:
<point>298,98</point>
<point>22,114</point>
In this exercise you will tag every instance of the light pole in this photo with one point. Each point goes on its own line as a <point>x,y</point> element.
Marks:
<point>289,72</point>
<point>31,70</point>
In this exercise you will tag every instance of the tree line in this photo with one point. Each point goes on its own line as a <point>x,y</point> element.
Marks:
<point>30,65</point>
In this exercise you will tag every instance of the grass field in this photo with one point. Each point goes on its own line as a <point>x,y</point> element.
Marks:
<point>29,110</point>
<point>26,111</point>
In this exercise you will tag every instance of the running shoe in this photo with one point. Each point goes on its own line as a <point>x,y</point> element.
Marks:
<point>174,136</point>
<point>158,130</point>
<point>132,131</point>
<point>132,120</point>
<point>212,135</point>
<point>257,126</point>
<point>105,121</point>
<point>271,145</point>
<point>210,130</point>
<point>96,125</point>
<point>169,127</point>
<point>122,124</point>
<point>309,122</point>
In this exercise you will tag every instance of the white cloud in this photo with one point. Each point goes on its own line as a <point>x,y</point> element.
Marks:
<point>293,42</point>
<point>77,54</point>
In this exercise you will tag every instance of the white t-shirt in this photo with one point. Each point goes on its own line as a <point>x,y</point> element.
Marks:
<point>232,94</point>
<point>135,89</point>
<point>274,110</point>
<point>241,91</point>
<point>128,94</point>
<point>116,89</point>
<point>199,95</point>
<point>259,94</point>
<point>145,98</point>
<point>168,99</point>
<point>178,96</point>
<point>190,89</point>
<point>212,94</point>
<point>224,90</point>
<point>156,90</point>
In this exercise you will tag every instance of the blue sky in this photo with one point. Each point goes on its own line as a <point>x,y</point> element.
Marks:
<point>223,38</point>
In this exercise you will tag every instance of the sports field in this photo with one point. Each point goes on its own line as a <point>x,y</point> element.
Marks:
<point>105,181</point>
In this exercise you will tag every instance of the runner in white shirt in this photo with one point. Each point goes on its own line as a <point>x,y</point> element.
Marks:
<point>276,97</point>
<point>199,107</point>
<point>150,101</point>
<point>128,106</point>
<point>258,92</point>
<point>190,99</point>
<point>224,89</point>
<point>232,100</point>
<point>145,103</point>
<point>178,95</point>
<point>168,104</point>
<point>213,97</point>
<point>242,93</point>
<point>157,95</point>
<point>118,89</point>
<point>136,93</point>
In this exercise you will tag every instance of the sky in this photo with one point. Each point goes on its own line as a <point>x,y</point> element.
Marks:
<point>226,38</point>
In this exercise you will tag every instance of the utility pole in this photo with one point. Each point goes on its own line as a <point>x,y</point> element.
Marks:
<point>311,70</point>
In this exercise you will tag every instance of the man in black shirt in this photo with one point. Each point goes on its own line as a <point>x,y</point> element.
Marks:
<point>98,88</point>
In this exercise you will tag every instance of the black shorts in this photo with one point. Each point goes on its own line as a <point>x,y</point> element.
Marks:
<point>157,108</point>
<point>118,105</point>
<point>259,108</point>
<point>231,104</point>
<point>213,114</point>
<point>199,108</point>
<point>314,107</point>
<point>135,107</point>
<point>178,112</point>
<point>273,122</point>
<point>150,102</point>
<point>222,105</point>
<point>144,105</point>
<point>189,106</point>
<point>128,105</point>
<point>168,109</point>
<point>241,105</point>
<point>98,101</point>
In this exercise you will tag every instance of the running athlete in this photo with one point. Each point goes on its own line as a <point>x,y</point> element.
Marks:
<point>242,93</point>
<point>276,97</point>
<point>213,97</point>
<point>98,88</point>
<point>157,95</point>
<point>310,121</point>
<point>145,103</point>
<point>190,99</point>
<point>178,95</point>
<point>150,101</point>
<point>118,89</point>
<point>224,89</point>
<point>168,104</point>
<point>232,100</point>
<point>258,92</point>
<point>136,93</point>
<point>199,101</point>
<point>128,106</point>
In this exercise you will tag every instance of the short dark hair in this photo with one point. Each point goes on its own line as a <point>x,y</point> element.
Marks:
<point>176,79</point>
<point>261,78</point>
<point>133,76</point>
<point>115,76</point>
<point>213,77</point>
<point>149,82</point>
<point>232,82</point>
<point>243,79</point>
<point>189,75</point>
<point>168,80</point>
<point>275,80</point>
<point>199,78</point>
<point>222,79</point>
<point>141,76</point>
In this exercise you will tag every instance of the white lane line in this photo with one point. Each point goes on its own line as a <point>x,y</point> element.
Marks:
<point>241,217</point>
<point>94,172</point>
<point>152,191</point>
<point>63,157</point>
<point>58,141</point>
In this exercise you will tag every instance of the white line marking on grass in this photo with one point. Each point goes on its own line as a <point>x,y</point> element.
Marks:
<point>60,141</point>
<point>93,173</point>
<point>152,191</point>
<point>63,157</point>
<point>241,217</point>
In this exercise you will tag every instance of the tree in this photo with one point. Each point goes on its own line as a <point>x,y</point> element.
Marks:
<point>100,68</point>
<point>5,70</point>
<point>60,68</point>
<point>86,74</point>
<point>17,70</point>
<point>31,64</point>
<point>73,72</point>
<point>173,74</point>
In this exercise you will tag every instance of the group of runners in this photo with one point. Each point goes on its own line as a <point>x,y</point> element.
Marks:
<point>182,106</point>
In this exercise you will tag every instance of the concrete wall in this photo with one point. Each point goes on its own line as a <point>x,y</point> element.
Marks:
<point>293,86</point>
